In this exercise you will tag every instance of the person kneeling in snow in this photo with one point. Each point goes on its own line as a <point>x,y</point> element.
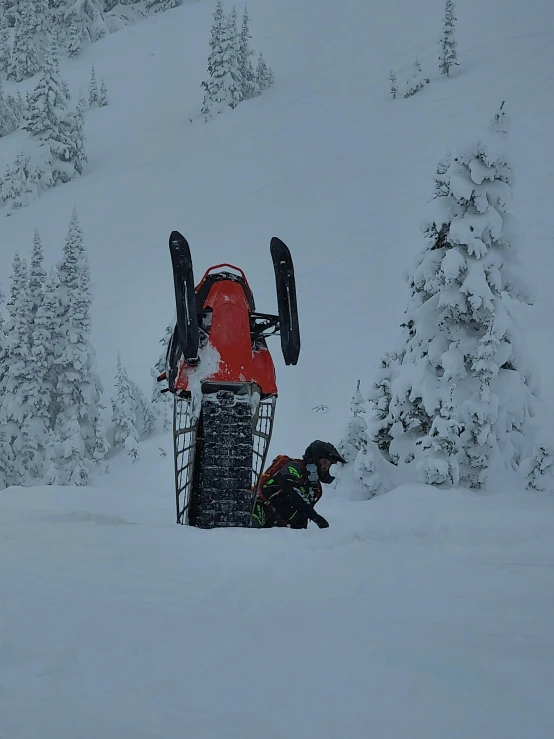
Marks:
<point>289,488</point>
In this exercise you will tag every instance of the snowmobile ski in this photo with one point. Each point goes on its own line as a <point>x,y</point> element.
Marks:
<point>286,300</point>
<point>185,297</point>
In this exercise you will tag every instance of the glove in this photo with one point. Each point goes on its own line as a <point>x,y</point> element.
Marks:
<point>320,521</point>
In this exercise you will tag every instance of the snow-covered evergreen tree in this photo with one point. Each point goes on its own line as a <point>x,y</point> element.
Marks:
<point>37,276</point>
<point>74,38</point>
<point>250,87</point>
<point>449,55</point>
<point>366,470</point>
<point>351,438</point>
<point>539,468</point>
<point>9,118</point>
<point>18,182</point>
<point>159,6</point>
<point>416,81</point>
<point>124,417</point>
<point>224,86</point>
<point>71,464</point>
<point>162,403</point>
<point>103,98</point>
<point>439,465</point>
<point>393,85</point>
<point>93,93</point>
<point>88,18</point>
<point>17,375</point>
<point>48,101</point>
<point>101,446</point>
<point>5,47</point>
<point>461,386</point>
<point>78,386</point>
<point>264,74</point>
<point>23,59</point>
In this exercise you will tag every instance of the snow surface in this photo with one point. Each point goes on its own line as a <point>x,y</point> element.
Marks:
<point>422,613</point>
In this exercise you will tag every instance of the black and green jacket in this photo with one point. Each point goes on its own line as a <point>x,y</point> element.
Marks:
<point>292,496</point>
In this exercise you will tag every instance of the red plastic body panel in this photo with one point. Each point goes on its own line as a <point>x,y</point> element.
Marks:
<point>230,335</point>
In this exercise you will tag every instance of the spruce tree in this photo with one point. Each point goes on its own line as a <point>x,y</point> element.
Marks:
<point>449,55</point>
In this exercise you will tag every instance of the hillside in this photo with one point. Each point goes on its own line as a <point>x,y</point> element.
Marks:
<point>419,614</point>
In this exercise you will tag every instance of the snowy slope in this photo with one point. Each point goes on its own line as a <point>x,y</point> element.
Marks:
<point>421,614</point>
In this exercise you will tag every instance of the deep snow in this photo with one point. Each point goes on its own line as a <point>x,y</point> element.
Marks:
<point>419,614</point>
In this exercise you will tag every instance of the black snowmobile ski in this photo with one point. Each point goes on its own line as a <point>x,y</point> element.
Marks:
<point>185,297</point>
<point>286,300</point>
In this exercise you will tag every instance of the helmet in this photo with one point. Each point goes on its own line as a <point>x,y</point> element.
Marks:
<point>319,450</point>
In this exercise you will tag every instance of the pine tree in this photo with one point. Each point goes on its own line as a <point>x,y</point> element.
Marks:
<point>250,87</point>
<point>459,331</point>
<point>393,85</point>
<point>449,55</point>
<point>264,75</point>
<point>124,416</point>
<point>93,96</point>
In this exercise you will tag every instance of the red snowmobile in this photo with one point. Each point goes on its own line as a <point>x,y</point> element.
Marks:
<point>222,376</point>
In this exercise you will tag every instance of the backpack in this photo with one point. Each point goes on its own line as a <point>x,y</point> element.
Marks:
<point>274,467</point>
